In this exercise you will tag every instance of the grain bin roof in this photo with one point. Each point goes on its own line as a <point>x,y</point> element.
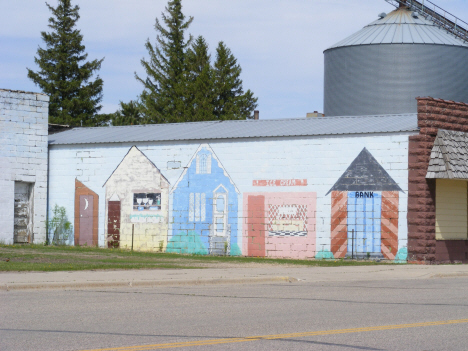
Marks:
<point>400,27</point>
<point>238,129</point>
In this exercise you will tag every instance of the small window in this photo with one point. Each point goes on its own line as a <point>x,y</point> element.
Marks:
<point>203,207</point>
<point>203,164</point>
<point>220,203</point>
<point>146,201</point>
<point>197,207</point>
<point>192,207</point>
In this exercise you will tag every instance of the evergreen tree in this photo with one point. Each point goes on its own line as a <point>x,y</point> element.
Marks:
<point>164,97</point>
<point>200,83</point>
<point>128,114</point>
<point>65,74</point>
<point>231,102</point>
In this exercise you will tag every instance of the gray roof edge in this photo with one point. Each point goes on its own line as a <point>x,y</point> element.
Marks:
<point>391,124</point>
<point>240,137</point>
<point>245,121</point>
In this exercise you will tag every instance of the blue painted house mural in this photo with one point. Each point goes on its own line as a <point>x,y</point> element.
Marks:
<point>204,208</point>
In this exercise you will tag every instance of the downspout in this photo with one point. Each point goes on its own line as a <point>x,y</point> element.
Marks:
<point>47,203</point>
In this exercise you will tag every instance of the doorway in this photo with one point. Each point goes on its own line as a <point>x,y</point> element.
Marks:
<point>364,224</point>
<point>23,213</point>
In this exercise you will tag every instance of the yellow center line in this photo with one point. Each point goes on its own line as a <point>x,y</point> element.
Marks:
<point>278,336</point>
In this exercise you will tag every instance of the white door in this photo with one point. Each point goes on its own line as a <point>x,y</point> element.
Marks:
<point>220,211</point>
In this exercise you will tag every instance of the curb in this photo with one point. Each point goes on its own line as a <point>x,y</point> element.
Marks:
<point>143,284</point>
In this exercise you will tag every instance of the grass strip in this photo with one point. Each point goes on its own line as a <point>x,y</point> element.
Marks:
<point>71,258</point>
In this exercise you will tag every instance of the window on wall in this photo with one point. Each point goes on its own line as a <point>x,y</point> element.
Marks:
<point>146,201</point>
<point>197,207</point>
<point>203,164</point>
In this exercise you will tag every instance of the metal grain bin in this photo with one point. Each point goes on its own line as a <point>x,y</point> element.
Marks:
<point>385,66</point>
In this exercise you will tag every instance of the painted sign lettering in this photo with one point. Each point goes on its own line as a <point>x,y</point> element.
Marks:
<point>280,182</point>
<point>367,195</point>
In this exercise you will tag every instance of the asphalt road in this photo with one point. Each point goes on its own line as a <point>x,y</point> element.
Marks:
<point>359,315</point>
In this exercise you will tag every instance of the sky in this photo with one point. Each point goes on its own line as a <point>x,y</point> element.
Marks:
<point>278,43</point>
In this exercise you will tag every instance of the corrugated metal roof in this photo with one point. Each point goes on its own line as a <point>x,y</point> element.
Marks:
<point>400,27</point>
<point>449,156</point>
<point>238,129</point>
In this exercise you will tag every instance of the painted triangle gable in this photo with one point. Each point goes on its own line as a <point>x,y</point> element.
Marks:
<point>365,174</point>
<point>210,150</point>
<point>135,154</point>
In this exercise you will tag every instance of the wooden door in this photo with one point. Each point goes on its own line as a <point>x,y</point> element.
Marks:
<point>86,220</point>
<point>23,213</point>
<point>364,222</point>
<point>256,223</point>
<point>113,224</point>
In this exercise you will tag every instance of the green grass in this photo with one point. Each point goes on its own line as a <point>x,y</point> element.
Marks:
<point>72,258</point>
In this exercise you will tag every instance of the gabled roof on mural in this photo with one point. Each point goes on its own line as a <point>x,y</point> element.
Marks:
<point>207,146</point>
<point>262,128</point>
<point>151,162</point>
<point>449,156</point>
<point>365,174</point>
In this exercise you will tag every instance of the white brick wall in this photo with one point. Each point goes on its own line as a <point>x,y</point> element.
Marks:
<point>320,160</point>
<point>23,156</point>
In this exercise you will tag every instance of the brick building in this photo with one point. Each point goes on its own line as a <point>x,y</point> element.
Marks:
<point>437,177</point>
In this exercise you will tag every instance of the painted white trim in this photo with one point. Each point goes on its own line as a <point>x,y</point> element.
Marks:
<point>114,197</point>
<point>220,186</point>
<point>207,146</point>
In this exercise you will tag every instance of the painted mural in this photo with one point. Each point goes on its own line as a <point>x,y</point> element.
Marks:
<point>204,208</point>
<point>137,204</point>
<point>364,211</point>
<point>86,215</point>
<point>280,224</point>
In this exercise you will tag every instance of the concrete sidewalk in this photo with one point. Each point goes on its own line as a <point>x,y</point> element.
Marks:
<point>240,275</point>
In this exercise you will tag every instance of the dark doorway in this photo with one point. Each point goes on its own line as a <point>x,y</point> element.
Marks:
<point>113,224</point>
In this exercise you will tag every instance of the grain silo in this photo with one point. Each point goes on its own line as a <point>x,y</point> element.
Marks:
<point>382,68</point>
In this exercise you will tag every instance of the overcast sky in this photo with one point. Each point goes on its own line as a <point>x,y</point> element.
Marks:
<point>278,43</point>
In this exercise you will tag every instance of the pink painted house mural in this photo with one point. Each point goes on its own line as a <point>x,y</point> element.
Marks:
<point>279,224</point>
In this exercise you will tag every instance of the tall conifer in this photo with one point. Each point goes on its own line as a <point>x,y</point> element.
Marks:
<point>164,96</point>
<point>128,114</point>
<point>65,74</point>
<point>231,102</point>
<point>200,83</point>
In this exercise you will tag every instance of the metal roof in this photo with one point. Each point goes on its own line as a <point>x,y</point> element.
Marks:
<point>238,129</point>
<point>400,27</point>
<point>449,156</point>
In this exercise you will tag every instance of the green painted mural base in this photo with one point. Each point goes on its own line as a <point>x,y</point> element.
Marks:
<point>402,255</point>
<point>324,255</point>
<point>186,243</point>
<point>235,250</point>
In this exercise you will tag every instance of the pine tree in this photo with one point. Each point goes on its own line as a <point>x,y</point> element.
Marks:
<point>200,83</point>
<point>164,96</point>
<point>128,114</point>
<point>231,102</point>
<point>65,74</point>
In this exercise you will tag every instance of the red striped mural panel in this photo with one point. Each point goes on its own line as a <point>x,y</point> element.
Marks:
<point>339,228</point>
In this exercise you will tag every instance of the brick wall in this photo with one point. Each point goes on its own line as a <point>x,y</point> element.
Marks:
<point>23,156</point>
<point>433,114</point>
